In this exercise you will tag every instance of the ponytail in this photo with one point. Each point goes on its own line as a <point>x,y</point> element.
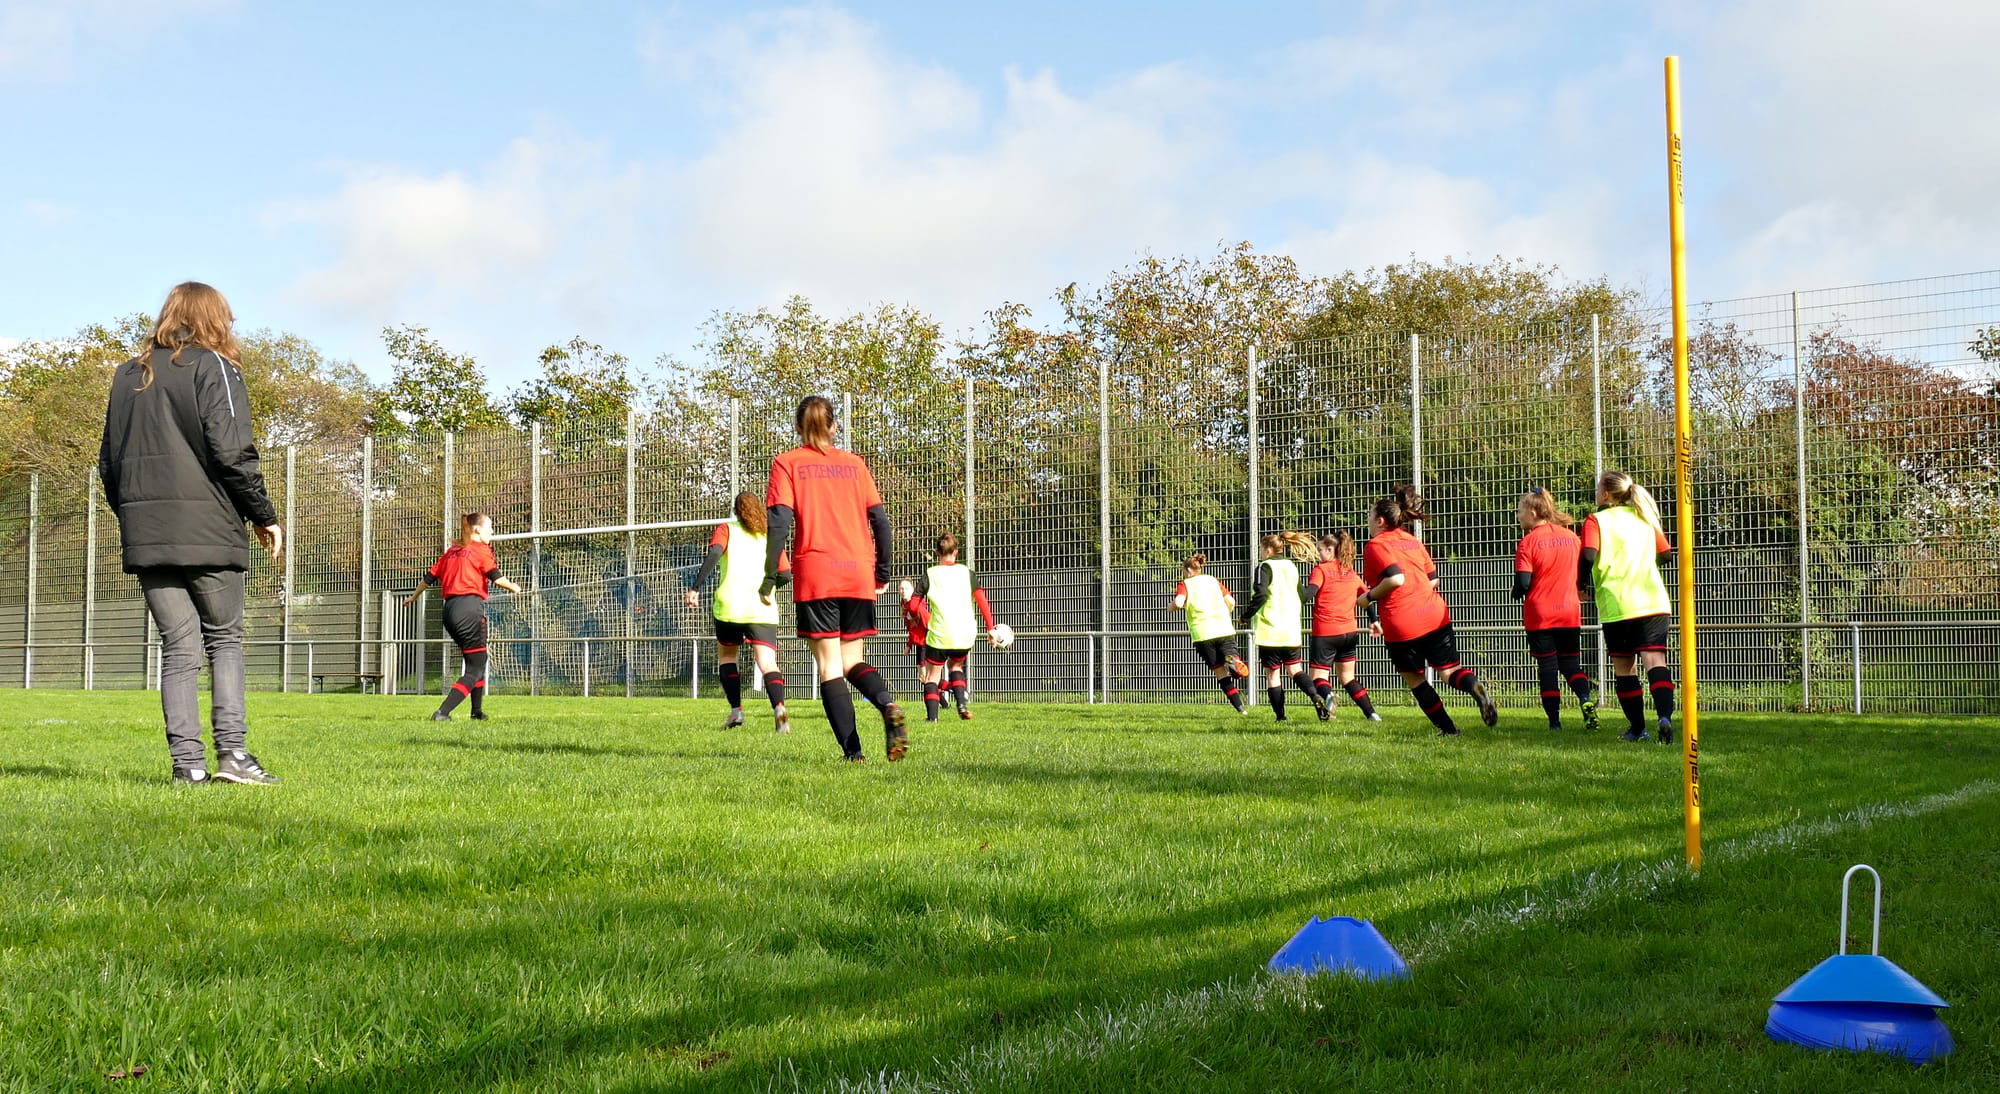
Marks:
<point>1342,546</point>
<point>1622,490</point>
<point>947,544</point>
<point>1298,545</point>
<point>1194,563</point>
<point>814,422</point>
<point>751,514</point>
<point>1543,505</point>
<point>1403,506</point>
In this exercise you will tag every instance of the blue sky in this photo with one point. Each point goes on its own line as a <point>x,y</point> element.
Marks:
<point>514,173</point>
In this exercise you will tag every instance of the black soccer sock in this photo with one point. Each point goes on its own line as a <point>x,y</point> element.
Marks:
<point>933,700</point>
<point>1432,704</point>
<point>1571,668</point>
<point>1460,678</point>
<point>839,705</point>
<point>479,698</point>
<point>1661,681</point>
<point>1360,696</point>
<point>1550,678</point>
<point>958,688</point>
<point>1277,697</point>
<point>732,683</point>
<point>1228,686</point>
<point>1324,688</point>
<point>871,685</point>
<point>774,686</point>
<point>1632,699</point>
<point>1304,683</point>
<point>474,673</point>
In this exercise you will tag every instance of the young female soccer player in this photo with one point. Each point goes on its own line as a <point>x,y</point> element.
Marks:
<point>1623,544</point>
<point>950,593</point>
<point>841,564</point>
<point>1211,623</point>
<point>1334,590</point>
<point>1545,584</point>
<point>1274,614</point>
<point>743,616</point>
<point>464,571</point>
<point>1416,622</point>
<point>179,468</point>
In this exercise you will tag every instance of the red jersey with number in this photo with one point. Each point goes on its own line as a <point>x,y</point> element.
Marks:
<point>830,493</point>
<point>464,571</point>
<point>1414,608</point>
<point>1333,610</point>
<point>1549,552</point>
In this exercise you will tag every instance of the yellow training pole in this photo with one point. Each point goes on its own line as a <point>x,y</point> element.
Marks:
<point>1683,474</point>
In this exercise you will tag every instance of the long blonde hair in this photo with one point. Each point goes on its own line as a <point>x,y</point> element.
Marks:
<point>1543,505</point>
<point>1299,545</point>
<point>195,315</point>
<point>1619,487</point>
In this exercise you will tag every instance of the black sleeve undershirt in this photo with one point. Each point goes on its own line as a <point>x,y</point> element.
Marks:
<point>1260,589</point>
<point>878,523</point>
<point>708,564</point>
<point>779,532</point>
<point>1524,580</point>
<point>1586,561</point>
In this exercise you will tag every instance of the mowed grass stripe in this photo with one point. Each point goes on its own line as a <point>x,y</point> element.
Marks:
<point>608,892</point>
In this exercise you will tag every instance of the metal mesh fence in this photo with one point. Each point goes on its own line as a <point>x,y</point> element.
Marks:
<point>1847,501</point>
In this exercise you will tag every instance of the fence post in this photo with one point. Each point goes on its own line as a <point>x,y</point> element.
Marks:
<point>1250,407</point>
<point>631,538</point>
<point>1417,438</point>
<point>735,447</point>
<point>450,533</point>
<point>971,501</point>
<point>1104,522</point>
<point>89,580</point>
<point>847,418</point>
<point>534,558</point>
<point>1805,587</point>
<point>1855,630</point>
<point>1597,458</point>
<point>586,668</point>
<point>285,589</point>
<point>367,547</point>
<point>34,578</point>
<point>694,667</point>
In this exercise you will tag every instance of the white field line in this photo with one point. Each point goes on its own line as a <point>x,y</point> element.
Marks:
<point>1091,1033</point>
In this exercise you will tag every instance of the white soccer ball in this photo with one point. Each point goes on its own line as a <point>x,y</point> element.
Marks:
<point>1003,636</point>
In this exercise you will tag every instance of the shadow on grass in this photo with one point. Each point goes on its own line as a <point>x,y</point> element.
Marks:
<point>542,748</point>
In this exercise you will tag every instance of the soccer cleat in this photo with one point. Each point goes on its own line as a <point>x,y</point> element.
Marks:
<point>440,716</point>
<point>857,758</point>
<point>238,766</point>
<point>1666,731</point>
<point>1633,735</point>
<point>1448,731</point>
<point>478,715</point>
<point>1373,717</point>
<point>1321,707</point>
<point>1590,715</point>
<point>735,719</point>
<point>895,737</point>
<point>191,776</point>
<point>965,714</point>
<point>1243,712</point>
<point>1489,713</point>
<point>1555,724</point>
<point>783,718</point>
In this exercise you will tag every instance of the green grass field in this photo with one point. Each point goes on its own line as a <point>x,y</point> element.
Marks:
<point>617,895</point>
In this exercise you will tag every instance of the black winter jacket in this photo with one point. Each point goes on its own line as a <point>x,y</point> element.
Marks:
<point>178,465</point>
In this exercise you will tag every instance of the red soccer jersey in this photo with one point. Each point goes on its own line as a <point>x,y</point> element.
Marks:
<point>1549,552</point>
<point>1414,608</point>
<point>833,551</point>
<point>1333,612</point>
<point>917,621</point>
<point>464,571</point>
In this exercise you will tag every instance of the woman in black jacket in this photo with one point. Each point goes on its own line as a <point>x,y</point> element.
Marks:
<point>180,470</point>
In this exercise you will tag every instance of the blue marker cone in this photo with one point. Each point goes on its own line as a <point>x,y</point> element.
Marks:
<point>1861,1002</point>
<point>1340,945</point>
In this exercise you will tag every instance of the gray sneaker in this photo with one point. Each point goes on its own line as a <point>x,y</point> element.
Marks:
<point>238,766</point>
<point>191,776</point>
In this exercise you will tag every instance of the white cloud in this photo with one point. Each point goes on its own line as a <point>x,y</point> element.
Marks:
<point>44,40</point>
